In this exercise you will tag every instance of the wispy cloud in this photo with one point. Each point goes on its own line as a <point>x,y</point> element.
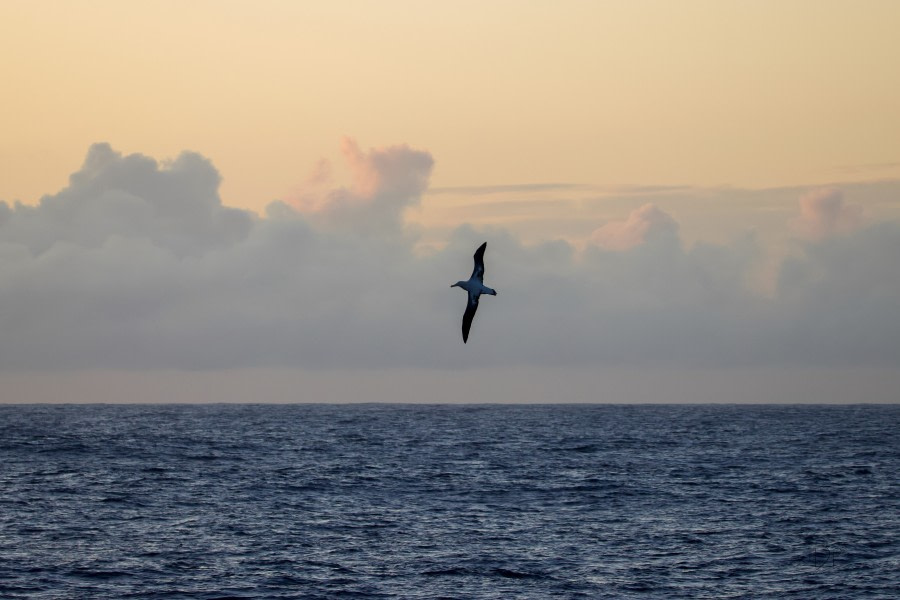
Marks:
<point>485,190</point>
<point>867,169</point>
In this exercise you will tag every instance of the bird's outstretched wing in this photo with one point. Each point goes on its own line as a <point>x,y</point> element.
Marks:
<point>479,264</point>
<point>471,307</point>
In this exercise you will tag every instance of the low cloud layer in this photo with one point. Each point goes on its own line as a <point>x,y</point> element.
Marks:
<point>138,265</point>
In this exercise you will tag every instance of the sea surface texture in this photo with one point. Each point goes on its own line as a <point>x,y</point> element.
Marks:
<point>391,501</point>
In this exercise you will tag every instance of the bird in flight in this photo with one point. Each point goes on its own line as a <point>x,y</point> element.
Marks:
<point>475,286</point>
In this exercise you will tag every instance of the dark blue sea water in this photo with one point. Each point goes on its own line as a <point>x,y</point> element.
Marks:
<point>375,501</point>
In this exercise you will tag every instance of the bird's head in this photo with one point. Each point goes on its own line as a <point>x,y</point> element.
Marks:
<point>457,284</point>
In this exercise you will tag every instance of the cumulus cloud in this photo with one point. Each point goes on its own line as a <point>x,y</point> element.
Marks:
<point>824,213</point>
<point>385,182</point>
<point>175,206</point>
<point>136,264</point>
<point>645,224</point>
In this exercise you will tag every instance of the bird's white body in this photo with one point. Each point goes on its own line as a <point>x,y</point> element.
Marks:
<point>475,287</point>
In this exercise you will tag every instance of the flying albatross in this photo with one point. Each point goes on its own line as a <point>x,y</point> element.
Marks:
<point>475,286</point>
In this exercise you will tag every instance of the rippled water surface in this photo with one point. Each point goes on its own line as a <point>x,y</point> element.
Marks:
<point>374,501</point>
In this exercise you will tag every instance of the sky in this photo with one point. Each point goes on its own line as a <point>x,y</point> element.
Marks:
<point>233,201</point>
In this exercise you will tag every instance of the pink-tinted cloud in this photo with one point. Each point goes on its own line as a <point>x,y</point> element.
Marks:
<point>384,182</point>
<point>643,224</point>
<point>823,213</point>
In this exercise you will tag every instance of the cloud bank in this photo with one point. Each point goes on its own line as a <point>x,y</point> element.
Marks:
<point>137,265</point>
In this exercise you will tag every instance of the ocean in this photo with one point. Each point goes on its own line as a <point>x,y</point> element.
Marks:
<point>431,501</point>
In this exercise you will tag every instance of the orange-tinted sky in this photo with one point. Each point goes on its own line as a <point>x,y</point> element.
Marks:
<point>501,92</point>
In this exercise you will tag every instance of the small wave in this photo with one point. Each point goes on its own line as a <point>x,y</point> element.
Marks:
<point>449,572</point>
<point>513,574</point>
<point>504,572</point>
<point>98,573</point>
